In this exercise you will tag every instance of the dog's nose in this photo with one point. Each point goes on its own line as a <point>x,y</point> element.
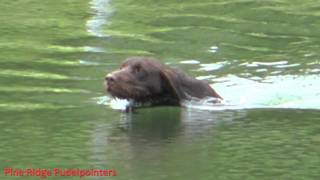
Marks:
<point>110,78</point>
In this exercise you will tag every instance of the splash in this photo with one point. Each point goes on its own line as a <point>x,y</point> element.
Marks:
<point>114,103</point>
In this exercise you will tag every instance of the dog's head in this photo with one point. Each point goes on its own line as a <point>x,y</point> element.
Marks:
<point>144,79</point>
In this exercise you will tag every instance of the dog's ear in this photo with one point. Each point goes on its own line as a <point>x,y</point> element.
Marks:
<point>184,88</point>
<point>171,81</point>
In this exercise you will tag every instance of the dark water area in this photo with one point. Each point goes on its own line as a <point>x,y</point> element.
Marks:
<point>261,56</point>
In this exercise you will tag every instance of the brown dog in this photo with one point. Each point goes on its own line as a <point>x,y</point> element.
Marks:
<point>145,80</point>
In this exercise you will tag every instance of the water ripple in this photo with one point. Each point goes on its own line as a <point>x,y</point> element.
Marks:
<point>257,64</point>
<point>23,106</point>
<point>32,74</point>
<point>41,89</point>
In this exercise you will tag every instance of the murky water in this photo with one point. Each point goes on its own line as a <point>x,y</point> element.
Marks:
<point>261,56</point>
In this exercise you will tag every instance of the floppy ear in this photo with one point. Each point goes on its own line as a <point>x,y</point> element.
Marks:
<point>172,83</point>
<point>184,87</point>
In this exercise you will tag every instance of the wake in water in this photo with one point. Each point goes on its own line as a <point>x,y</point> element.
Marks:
<point>273,92</point>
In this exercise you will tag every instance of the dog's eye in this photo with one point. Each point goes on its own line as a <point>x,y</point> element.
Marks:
<point>136,69</point>
<point>123,66</point>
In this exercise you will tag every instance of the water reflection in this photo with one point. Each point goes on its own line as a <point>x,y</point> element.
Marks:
<point>150,134</point>
<point>101,11</point>
<point>167,124</point>
<point>148,125</point>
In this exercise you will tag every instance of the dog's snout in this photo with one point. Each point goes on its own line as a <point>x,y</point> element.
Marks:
<point>110,78</point>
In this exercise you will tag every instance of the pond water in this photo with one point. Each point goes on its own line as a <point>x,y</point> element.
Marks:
<point>261,56</point>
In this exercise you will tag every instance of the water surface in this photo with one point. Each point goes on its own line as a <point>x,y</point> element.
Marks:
<point>261,56</point>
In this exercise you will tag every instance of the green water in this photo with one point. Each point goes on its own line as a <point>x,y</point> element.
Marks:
<point>261,56</point>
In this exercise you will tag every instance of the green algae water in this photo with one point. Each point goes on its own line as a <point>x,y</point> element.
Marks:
<point>261,56</point>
